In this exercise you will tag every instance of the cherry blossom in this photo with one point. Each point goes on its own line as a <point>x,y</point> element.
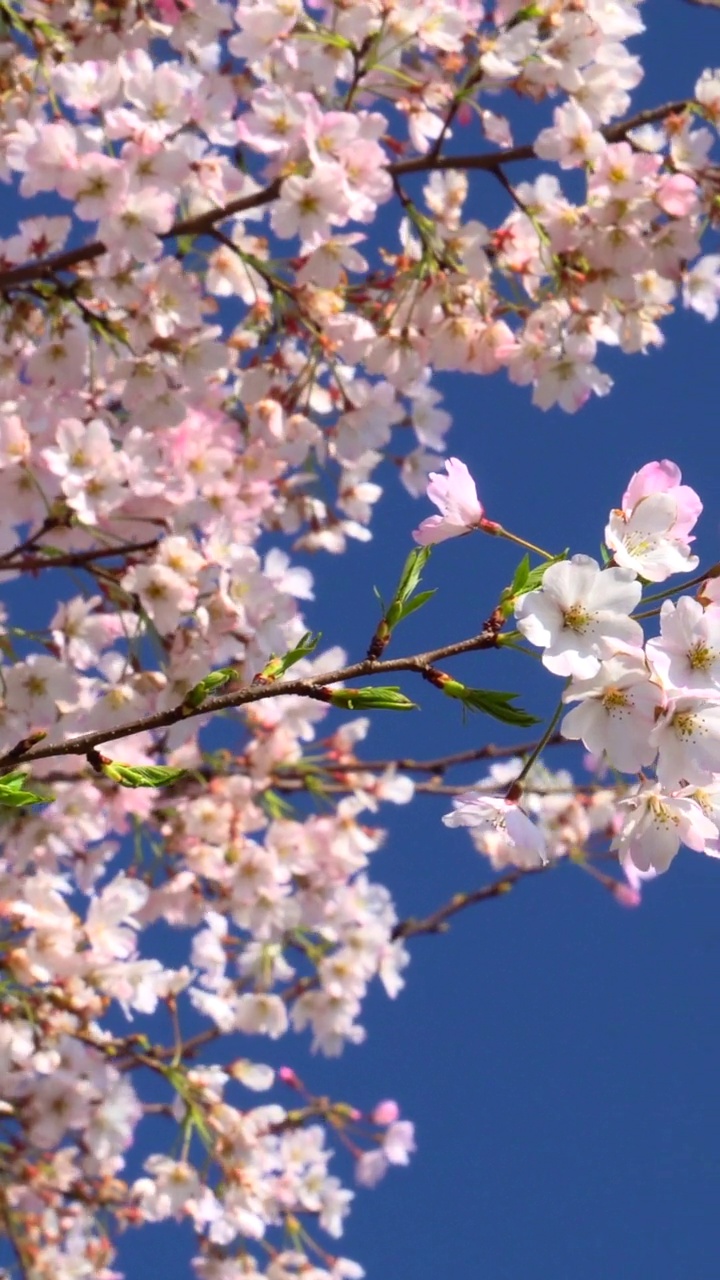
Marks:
<point>580,614</point>
<point>686,656</point>
<point>651,532</point>
<point>456,496</point>
<point>617,712</point>
<point>504,831</point>
<point>655,826</point>
<point>687,741</point>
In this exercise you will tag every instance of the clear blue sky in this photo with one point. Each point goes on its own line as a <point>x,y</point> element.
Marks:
<point>559,1055</point>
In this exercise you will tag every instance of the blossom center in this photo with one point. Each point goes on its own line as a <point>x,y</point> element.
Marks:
<point>615,699</point>
<point>685,724</point>
<point>662,816</point>
<point>701,656</point>
<point>576,618</point>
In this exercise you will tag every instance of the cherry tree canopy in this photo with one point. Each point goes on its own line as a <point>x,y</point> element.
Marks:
<point>245,238</point>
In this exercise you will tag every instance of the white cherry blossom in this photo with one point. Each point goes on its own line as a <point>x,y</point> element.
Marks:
<point>580,614</point>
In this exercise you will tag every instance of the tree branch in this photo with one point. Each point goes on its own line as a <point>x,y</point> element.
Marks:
<point>496,159</point>
<point>309,688</point>
<point>204,222</point>
<point>438,765</point>
<point>75,559</point>
<point>437,922</point>
<point>197,225</point>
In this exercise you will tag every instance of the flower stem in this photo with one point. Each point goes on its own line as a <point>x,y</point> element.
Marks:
<point>516,782</point>
<point>521,542</point>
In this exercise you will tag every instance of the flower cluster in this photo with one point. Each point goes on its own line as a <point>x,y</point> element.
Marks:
<point>637,704</point>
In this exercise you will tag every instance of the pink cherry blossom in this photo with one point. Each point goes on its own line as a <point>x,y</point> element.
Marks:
<point>617,712</point>
<point>225,373</point>
<point>687,739</point>
<point>385,1113</point>
<point>677,195</point>
<point>664,477</point>
<point>501,829</point>
<point>656,825</point>
<point>646,539</point>
<point>701,286</point>
<point>456,497</point>
<point>686,657</point>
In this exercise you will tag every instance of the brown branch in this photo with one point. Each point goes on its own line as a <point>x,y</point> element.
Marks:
<point>496,159</point>
<point>204,222</point>
<point>308,688</point>
<point>195,226</point>
<point>439,765</point>
<point>437,922</point>
<point>431,788</point>
<point>76,559</point>
<point>255,693</point>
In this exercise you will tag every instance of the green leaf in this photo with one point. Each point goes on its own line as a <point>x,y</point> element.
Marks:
<point>409,581</point>
<point>412,571</point>
<point>535,576</point>
<point>491,702</point>
<point>401,605</point>
<point>275,806</point>
<point>388,698</point>
<point>185,245</point>
<point>524,15</point>
<point>210,684</point>
<point>417,602</point>
<point>526,579</point>
<point>522,573</point>
<point>277,667</point>
<point>13,780</point>
<point>142,775</point>
<point>13,794</point>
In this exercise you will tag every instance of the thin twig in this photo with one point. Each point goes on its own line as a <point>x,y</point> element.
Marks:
<point>204,222</point>
<point>76,559</point>
<point>437,922</point>
<point>496,159</point>
<point>308,688</point>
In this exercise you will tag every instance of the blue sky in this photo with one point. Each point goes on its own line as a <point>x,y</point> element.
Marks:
<point>558,1054</point>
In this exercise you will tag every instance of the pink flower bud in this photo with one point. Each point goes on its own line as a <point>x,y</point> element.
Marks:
<point>288,1077</point>
<point>386,1112</point>
<point>626,896</point>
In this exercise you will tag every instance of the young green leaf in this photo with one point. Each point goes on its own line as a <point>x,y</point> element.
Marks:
<point>388,698</point>
<point>142,775</point>
<point>277,667</point>
<point>522,573</point>
<point>209,685</point>
<point>412,571</point>
<point>526,579</point>
<point>489,701</point>
<point>417,602</point>
<point>275,806</point>
<point>13,780</point>
<point>536,575</point>
<point>13,794</point>
<point>401,605</point>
